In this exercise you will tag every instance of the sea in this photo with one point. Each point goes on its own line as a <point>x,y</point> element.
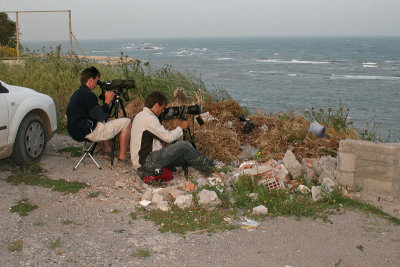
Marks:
<point>275,74</point>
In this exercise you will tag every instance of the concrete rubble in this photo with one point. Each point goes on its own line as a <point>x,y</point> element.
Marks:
<point>274,175</point>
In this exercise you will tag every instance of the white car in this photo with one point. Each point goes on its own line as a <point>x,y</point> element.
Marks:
<point>27,122</point>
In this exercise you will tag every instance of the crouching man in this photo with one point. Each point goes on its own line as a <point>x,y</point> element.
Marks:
<point>147,135</point>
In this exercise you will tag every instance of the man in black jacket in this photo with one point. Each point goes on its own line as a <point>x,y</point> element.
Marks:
<point>87,119</point>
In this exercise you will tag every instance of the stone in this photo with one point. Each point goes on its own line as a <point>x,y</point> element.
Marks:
<point>316,192</point>
<point>207,197</point>
<point>328,184</point>
<point>291,164</point>
<point>157,198</point>
<point>261,209</point>
<point>163,205</point>
<point>119,184</point>
<point>148,194</point>
<point>257,170</point>
<point>184,201</point>
<point>280,173</point>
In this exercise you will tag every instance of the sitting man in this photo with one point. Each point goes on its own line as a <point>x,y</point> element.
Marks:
<point>147,133</point>
<point>87,119</point>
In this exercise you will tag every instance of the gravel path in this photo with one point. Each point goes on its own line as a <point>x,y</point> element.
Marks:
<point>74,230</point>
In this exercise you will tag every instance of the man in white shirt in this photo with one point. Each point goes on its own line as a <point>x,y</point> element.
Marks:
<point>147,135</point>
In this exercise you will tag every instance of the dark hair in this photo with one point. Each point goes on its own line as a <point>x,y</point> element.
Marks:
<point>88,73</point>
<point>153,98</point>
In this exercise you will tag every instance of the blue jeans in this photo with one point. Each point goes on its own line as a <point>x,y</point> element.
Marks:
<point>176,154</point>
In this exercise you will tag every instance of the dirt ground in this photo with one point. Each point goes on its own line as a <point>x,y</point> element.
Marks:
<point>74,230</point>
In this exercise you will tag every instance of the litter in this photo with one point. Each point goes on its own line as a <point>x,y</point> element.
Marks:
<point>249,224</point>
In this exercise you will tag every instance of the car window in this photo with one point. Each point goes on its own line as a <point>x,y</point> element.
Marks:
<point>3,89</point>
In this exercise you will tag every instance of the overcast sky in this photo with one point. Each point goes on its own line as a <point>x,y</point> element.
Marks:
<point>93,19</point>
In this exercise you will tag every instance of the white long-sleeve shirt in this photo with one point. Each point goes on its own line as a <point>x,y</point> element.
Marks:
<point>146,136</point>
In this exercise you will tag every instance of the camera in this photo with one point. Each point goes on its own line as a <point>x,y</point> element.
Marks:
<point>120,87</point>
<point>181,112</point>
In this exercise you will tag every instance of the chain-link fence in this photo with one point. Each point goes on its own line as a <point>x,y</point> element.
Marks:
<point>26,33</point>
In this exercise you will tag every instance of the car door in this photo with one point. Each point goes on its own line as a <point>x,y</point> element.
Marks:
<point>3,122</point>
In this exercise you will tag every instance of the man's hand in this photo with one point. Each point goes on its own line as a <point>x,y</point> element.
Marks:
<point>184,124</point>
<point>108,97</point>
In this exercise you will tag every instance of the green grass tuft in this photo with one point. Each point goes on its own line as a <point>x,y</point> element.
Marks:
<point>34,175</point>
<point>16,245</point>
<point>141,253</point>
<point>23,207</point>
<point>75,151</point>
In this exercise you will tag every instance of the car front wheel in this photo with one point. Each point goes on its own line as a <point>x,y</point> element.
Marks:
<point>30,141</point>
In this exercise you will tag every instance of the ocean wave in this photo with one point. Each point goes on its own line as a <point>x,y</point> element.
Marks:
<point>293,61</point>
<point>101,51</point>
<point>362,77</point>
<point>223,58</point>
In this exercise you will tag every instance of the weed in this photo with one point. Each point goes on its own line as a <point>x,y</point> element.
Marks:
<point>69,222</point>
<point>55,244</point>
<point>39,223</point>
<point>115,211</point>
<point>360,247</point>
<point>23,207</point>
<point>336,119</point>
<point>34,175</point>
<point>141,253</point>
<point>190,219</point>
<point>16,245</point>
<point>93,194</point>
<point>75,151</point>
<point>133,216</point>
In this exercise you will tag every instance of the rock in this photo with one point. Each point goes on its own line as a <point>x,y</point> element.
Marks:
<point>260,210</point>
<point>148,194</point>
<point>184,201</point>
<point>291,164</point>
<point>163,205</point>
<point>119,184</point>
<point>253,196</point>
<point>328,184</point>
<point>157,198</point>
<point>201,181</point>
<point>325,166</point>
<point>173,192</point>
<point>145,203</point>
<point>316,192</point>
<point>207,197</point>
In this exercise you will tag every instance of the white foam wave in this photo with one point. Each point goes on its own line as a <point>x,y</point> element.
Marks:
<point>101,51</point>
<point>224,58</point>
<point>293,61</point>
<point>369,66</point>
<point>292,74</point>
<point>362,77</point>
<point>369,63</point>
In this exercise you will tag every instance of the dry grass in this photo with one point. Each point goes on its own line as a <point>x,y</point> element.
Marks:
<point>221,138</point>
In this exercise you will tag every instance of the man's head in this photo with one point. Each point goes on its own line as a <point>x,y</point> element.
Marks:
<point>156,102</point>
<point>89,77</point>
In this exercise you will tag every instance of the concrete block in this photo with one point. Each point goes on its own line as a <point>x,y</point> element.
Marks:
<point>316,192</point>
<point>375,186</point>
<point>346,162</point>
<point>291,164</point>
<point>184,201</point>
<point>344,178</point>
<point>207,197</point>
<point>148,194</point>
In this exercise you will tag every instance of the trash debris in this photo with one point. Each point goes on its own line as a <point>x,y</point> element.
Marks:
<point>249,224</point>
<point>248,152</point>
<point>190,186</point>
<point>247,165</point>
<point>249,125</point>
<point>263,128</point>
<point>303,189</point>
<point>317,129</point>
<point>273,184</point>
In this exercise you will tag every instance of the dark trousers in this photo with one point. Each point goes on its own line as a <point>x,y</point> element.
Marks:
<point>176,154</point>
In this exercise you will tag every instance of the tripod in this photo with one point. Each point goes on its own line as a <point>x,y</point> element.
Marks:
<point>117,103</point>
<point>187,136</point>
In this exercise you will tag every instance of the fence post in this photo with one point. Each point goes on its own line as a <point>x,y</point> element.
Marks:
<point>17,32</point>
<point>70,34</point>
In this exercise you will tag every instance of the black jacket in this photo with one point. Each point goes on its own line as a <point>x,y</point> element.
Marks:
<point>83,113</point>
